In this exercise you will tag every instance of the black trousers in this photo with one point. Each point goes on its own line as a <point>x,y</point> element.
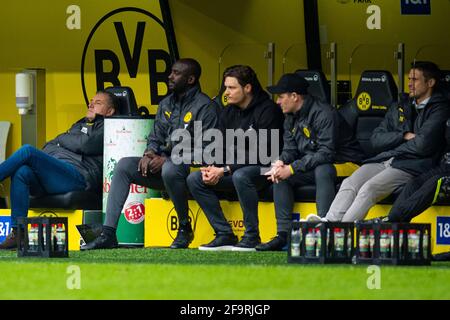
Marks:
<point>417,195</point>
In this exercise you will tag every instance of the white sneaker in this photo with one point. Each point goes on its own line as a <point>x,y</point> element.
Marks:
<point>315,218</point>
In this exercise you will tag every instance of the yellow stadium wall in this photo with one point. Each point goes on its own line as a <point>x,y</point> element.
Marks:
<point>345,22</point>
<point>34,35</point>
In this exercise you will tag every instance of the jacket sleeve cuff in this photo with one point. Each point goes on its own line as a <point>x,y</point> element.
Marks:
<point>292,169</point>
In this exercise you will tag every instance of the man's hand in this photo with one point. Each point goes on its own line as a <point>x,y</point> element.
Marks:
<point>156,163</point>
<point>279,173</point>
<point>144,163</point>
<point>278,164</point>
<point>211,175</point>
<point>409,135</point>
<point>283,173</point>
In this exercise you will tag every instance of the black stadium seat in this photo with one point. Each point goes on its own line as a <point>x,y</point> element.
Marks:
<point>318,84</point>
<point>375,93</point>
<point>445,82</point>
<point>126,100</point>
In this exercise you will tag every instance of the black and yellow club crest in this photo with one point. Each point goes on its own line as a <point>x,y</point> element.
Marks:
<point>187,117</point>
<point>306,132</point>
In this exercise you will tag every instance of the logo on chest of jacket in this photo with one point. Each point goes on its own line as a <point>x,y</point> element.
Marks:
<point>187,117</point>
<point>306,132</point>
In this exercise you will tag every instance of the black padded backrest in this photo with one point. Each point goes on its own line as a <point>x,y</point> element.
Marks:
<point>318,84</point>
<point>221,99</point>
<point>376,92</point>
<point>364,129</point>
<point>445,82</point>
<point>126,99</point>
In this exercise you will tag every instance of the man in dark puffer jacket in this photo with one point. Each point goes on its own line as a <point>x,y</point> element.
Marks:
<point>72,161</point>
<point>408,141</point>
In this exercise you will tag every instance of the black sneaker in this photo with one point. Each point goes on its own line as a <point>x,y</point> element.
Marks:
<point>276,244</point>
<point>183,239</point>
<point>247,243</point>
<point>222,242</point>
<point>104,241</point>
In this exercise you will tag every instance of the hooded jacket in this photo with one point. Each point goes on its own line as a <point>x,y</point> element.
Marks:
<point>261,113</point>
<point>82,146</point>
<point>417,155</point>
<point>310,135</point>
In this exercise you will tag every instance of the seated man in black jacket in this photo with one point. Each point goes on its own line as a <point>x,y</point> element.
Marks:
<point>181,110</point>
<point>250,112</point>
<point>310,138</point>
<point>409,140</point>
<point>72,161</point>
<point>422,191</point>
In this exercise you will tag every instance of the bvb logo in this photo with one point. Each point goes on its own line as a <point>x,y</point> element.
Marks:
<point>48,214</point>
<point>173,223</point>
<point>127,47</point>
<point>187,117</point>
<point>364,101</point>
<point>224,99</point>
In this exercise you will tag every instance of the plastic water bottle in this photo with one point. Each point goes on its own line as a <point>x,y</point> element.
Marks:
<point>339,242</point>
<point>33,238</point>
<point>349,243</point>
<point>60,237</point>
<point>413,244</point>
<point>44,238</point>
<point>425,244</point>
<point>391,242</point>
<point>401,251</point>
<point>53,237</point>
<point>363,244</point>
<point>319,242</point>
<point>310,243</point>
<point>371,243</point>
<point>385,245</point>
<point>295,243</point>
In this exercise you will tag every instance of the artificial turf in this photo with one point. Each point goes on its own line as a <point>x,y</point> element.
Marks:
<point>192,274</point>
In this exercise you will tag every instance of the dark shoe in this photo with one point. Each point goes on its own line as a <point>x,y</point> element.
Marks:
<point>102,242</point>
<point>247,244</point>
<point>222,242</point>
<point>376,220</point>
<point>183,239</point>
<point>10,243</point>
<point>276,244</point>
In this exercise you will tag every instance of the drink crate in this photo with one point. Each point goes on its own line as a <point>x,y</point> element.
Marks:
<point>393,243</point>
<point>321,242</point>
<point>42,237</point>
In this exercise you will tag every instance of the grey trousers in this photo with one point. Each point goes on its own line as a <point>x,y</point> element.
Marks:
<point>171,178</point>
<point>363,189</point>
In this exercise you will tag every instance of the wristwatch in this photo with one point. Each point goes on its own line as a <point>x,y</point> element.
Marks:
<point>226,171</point>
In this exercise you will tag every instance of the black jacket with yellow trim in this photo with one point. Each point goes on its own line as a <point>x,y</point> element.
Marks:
<point>428,124</point>
<point>310,135</point>
<point>181,113</point>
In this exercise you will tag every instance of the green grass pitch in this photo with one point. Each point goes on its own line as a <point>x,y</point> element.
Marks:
<point>192,274</point>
